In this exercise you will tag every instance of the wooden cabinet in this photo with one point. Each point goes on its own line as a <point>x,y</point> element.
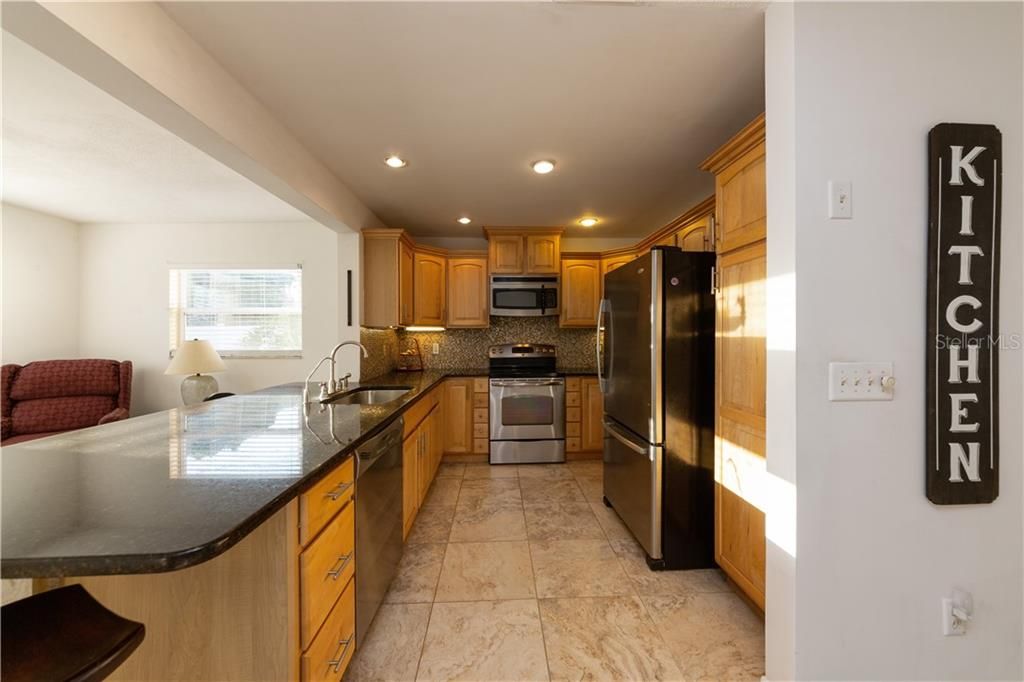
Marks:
<point>410,493</point>
<point>467,292</point>
<point>388,274</point>
<point>592,414</point>
<point>458,416</point>
<point>523,251</point>
<point>610,263</point>
<point>429,290</point>
<point>696,236</point>
<point>580,291</point>
<point>542,254</point>
<point>740,359</point>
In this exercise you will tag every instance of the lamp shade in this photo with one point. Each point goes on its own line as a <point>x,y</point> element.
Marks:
<point>195,357</point>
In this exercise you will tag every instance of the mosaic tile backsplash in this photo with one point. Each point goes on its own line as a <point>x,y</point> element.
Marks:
<point>382,346</point>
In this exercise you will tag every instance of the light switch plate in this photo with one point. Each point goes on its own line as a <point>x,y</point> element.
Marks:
<point>860,381</point>
<point>840,199</point>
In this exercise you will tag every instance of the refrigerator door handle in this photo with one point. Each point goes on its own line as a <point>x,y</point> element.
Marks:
<point>602,310</point>
<point>619,436</point>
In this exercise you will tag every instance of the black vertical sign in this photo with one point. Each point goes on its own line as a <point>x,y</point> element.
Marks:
<point>964,189</point>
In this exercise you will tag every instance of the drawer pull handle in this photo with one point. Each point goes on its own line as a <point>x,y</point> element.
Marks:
<point>338,491</point>
<point>335,663</point>
<point>344,560</point>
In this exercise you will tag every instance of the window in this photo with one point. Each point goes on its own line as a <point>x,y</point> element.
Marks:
<point>250,312</point>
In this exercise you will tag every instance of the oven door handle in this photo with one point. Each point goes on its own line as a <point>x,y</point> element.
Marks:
<point>525,384</point>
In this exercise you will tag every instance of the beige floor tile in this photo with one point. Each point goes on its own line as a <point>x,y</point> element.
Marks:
<point>607,638</point>
<point>476,571</point>
<point>545,471</point>
<point>444,492</point>
<point>484,641</point>
<point>492,471</point>
<point>562,521</point>
<point>451,470</point>
<point>391,650</point>
<point>492,491</point>
<point>591,468</point>
<point>432,524</point>
<point>480,521</point>
<point>610,522</point>
<point>539,490</point>
<point>417,574</point>
<point>711,636</point>
<point>592,487</point>
<point>578,568</point>
<point>648,582</point>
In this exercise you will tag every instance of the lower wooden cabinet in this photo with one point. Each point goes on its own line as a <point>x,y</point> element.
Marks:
<point>410,494</point>
<point>584,410</point>
<point>458,415</point>
<point>331,651</point>
<point>325,567</point>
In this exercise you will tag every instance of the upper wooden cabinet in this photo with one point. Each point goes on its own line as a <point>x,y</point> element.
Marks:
<point>388,274</point>
<point>696,236</point>
<point>429,290</point>
<point>609,263</point>
<point>467,292</point>
<point>580,291</point>
<point>523,251</point>
<point>740,190</point>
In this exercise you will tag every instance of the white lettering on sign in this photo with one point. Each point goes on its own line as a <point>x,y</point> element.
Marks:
<point>965,253</point>
<point>955,305</point>
<point>956,364</point>
<point>969,461</point>
<point>964,163</point>
<point>966,215</point>
<point>959,412</point>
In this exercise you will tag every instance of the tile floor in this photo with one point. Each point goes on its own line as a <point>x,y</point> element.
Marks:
<point>521,573</point>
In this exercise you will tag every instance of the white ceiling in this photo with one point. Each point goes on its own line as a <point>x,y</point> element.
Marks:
<point>628,98</point>
<point>72,150</point>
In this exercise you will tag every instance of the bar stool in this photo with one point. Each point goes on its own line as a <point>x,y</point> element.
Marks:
<point>64,634</point>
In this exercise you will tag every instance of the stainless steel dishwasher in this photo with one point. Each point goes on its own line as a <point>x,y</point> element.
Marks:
<point>378,499</point>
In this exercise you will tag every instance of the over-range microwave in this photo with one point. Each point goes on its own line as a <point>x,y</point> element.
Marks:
<point>524,295</point>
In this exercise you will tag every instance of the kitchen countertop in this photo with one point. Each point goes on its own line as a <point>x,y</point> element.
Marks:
<point>172,489</point>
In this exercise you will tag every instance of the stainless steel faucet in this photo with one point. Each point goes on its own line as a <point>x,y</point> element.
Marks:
<point>342,384</point>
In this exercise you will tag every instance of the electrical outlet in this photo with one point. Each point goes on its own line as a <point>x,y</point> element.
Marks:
<point>435,348</point>
<point>860,381</point>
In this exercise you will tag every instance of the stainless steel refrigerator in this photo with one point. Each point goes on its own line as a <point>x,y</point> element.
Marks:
<point>656,364</point>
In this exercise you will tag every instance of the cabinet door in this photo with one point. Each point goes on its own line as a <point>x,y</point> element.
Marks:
<point>609,264</point>
<point>467,292</point>
<point>422,462</point>
<point>581,292</point>
<point>458,416</point>
<point>406,266</point>
<point>410,485</point>
<point>429,291</point>
<point>740,201</point>
<point>740,472</point>
<point>695,236</point>
<point>591,432</point>
<point>542,254</point>
<point>505,252</point>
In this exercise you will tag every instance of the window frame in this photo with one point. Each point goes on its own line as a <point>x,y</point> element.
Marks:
<point>177,326</point>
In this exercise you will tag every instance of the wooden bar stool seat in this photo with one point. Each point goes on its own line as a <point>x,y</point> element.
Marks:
<point>64,634</point>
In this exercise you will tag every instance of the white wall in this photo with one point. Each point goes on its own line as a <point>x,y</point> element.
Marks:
<point>873,557</point>
<point>124,296</point>
<point>40,286</point>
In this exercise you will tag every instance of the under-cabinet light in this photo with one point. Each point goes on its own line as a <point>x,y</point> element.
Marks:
<point>424,329</point>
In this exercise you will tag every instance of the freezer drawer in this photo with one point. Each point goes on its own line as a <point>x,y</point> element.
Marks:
<point>632,484</point>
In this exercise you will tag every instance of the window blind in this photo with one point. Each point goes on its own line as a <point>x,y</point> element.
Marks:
<point>240,311</point>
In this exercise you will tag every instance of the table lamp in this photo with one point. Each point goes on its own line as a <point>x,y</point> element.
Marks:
<point>193,358</point>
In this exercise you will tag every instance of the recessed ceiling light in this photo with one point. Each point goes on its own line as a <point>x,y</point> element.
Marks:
<point>396,161</point>
<point>543,167</point>
<point>587,222</point>
<point>464,220</point>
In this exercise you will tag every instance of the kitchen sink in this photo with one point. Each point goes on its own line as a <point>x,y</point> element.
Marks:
<point>370,395</point>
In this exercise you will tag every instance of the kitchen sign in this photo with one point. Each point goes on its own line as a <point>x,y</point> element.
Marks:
<point>964,190</point>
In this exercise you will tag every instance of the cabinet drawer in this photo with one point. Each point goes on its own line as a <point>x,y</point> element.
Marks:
<point>480,415</point>
<point>572,414</point>
<point>318,504</point>
<point>481,445</point>
<point>332,649</point>
<point>572,429</point>
<point>481,431</point>
<point>480,385</point>
<point>572,399</point>
<point>572,444</point>
<point>324,569</point>
<point>572,384</point>
<point>480,400</point>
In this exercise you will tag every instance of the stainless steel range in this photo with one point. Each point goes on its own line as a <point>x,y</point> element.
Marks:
<point>527,405</point>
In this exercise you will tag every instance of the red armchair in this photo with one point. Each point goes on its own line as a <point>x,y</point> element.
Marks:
<point>52,396</point>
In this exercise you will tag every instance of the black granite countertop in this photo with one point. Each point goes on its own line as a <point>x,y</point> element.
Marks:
<point>173,489</point>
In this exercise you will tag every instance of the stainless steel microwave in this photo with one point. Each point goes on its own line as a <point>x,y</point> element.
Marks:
<point>524,295</point>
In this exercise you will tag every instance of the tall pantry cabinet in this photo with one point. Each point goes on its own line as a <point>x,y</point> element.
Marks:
<point>740,358</point>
